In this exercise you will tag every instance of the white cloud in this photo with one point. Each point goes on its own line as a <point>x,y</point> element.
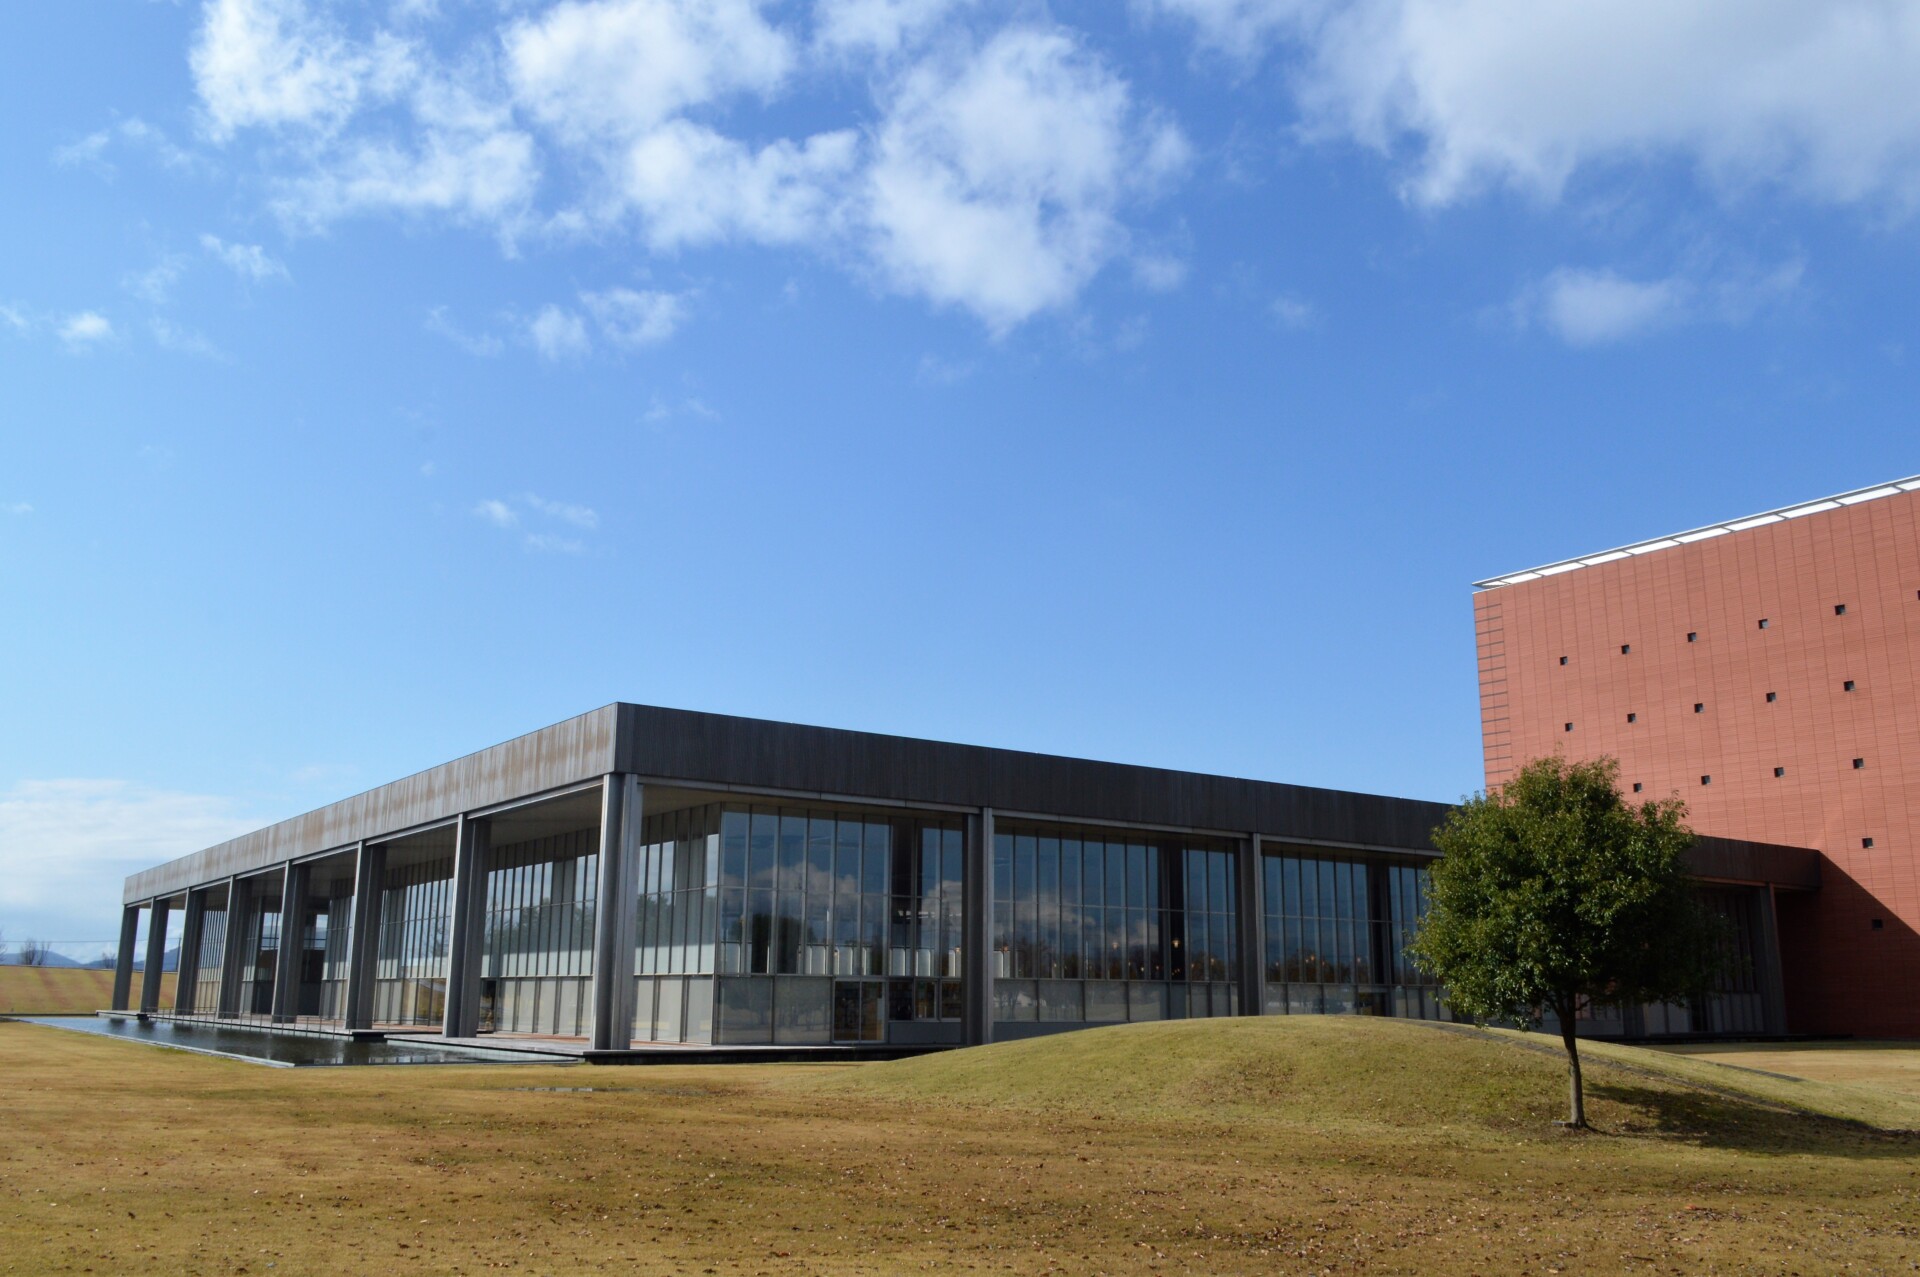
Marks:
<point>692,185</point>
<point>85,329</point>
<point>579,516</point>
<point>20,509</point>
<point>498,513</point>
<point>999,176</point>
<point>272,63</point>
<point>1294,312</point>
<point>878,27</point>
<point>155,284</point>
<point>483,345</point>
<point>633,318</point>
<point>1526,93</point>
<point>248,261</point>
<point>559,334</point>
<point>15,319</point>
<point>1159,272</point>
<point>1241,29</point>
<point>591,69</point>
<point>68,845</point>
<point>92,150</point>
<point>1589,308</point>
<point>467,160</point>
<point>517,513</point>
<point>1596,307</point>
<point>184,341</point>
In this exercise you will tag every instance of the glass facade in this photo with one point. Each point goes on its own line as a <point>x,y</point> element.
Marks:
<point>410,977</point>
<point>802,925</point>
<point>773,924</point>
<point>1091,925</point>
<point>1336,935</point>
<point>208,963</point>
<point>537,946</point>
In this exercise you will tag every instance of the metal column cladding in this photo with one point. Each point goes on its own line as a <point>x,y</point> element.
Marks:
<point>621,809</point>
<point>286,962</point>
<point>123,958</point>
<point>976,929</point>
<point>187,967</point>
<point>472,841</point>
<point>239,903</point>
<point>1252,923</point>
<point>156,957</point>
<point>369,869</point>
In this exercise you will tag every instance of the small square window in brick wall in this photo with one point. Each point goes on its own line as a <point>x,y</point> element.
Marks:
<point>1636,786</point>
<point>1699,707</point>
<point>1847,686</point>
<point>1691,636</point>
<point>1763,622</point>
<point>1866,842</point>
<point>1839,609</point>
<point>1858,763</point>
<point>1772,697</point>
<point>1632,718</point>
<point>1706,780</point>
<point>1778,772</point>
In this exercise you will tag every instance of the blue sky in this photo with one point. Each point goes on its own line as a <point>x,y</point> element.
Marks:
<point>380,379</point>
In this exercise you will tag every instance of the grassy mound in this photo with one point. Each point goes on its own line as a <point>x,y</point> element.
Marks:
<point>64,990</point>
<point>1332,1073</point>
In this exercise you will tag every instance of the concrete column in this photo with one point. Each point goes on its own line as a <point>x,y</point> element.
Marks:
<point>467,928</point>
<point>189,965</point>
<point>363,953</point>
<point>239,902</point>
<point>123,957</point>
<point>156,957</point>
<point>976,930</point>
<point>1773,985</point>
<point>287,962</point>
<point>616,906</point>
<point>1253,927</point>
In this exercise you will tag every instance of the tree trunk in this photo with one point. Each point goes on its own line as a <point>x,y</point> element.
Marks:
<point>1576,1096</point>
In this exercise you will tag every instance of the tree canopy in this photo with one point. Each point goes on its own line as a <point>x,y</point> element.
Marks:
<point>1553,891</point>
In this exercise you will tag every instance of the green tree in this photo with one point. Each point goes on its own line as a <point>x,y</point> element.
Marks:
<point>1553,890</point>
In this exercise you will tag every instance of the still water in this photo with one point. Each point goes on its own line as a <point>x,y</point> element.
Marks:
<point>287,1050</point>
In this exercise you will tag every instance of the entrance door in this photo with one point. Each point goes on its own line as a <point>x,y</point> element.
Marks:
<point>857,1010</point>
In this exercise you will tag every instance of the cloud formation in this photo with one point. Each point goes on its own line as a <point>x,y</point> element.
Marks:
<point>85,329</point>
<point>249,261</point>
<point>545,526</point>
<point>1475,94</point>
<point>65,838</point>
<point>1588,307</point>
<point>990,173</point>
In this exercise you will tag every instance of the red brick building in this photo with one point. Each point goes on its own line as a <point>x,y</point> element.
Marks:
<point>1765,671</point>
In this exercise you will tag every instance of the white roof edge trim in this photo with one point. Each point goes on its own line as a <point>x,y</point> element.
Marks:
<point>1798,510</point>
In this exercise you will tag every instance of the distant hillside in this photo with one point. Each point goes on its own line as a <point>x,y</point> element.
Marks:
<point>64,990</point>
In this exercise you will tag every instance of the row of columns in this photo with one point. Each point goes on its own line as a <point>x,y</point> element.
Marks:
<point>622,807</point>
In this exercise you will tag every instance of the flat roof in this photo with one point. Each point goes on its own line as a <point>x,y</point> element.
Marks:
<point>1677,539</point>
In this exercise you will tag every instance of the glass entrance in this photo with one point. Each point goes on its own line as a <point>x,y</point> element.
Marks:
<point>856,1011</point>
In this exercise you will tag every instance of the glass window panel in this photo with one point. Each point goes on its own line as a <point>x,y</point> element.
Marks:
<point>764,834</point>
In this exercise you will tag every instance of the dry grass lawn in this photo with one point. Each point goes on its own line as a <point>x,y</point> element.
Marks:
<point>1894,1066</point>
<point>1283,1145</point>
<point>65,990</point>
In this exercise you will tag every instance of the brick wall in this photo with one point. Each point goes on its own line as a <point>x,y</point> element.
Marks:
<point>1598,661</point>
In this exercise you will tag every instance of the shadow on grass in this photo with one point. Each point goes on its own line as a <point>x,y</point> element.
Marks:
<point>1721,1121</point>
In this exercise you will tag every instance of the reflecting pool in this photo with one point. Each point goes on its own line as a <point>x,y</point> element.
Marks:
<point>283,1050</point>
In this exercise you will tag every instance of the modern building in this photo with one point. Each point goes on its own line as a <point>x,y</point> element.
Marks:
<point>1765,670</point>
<point>776,885</point>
